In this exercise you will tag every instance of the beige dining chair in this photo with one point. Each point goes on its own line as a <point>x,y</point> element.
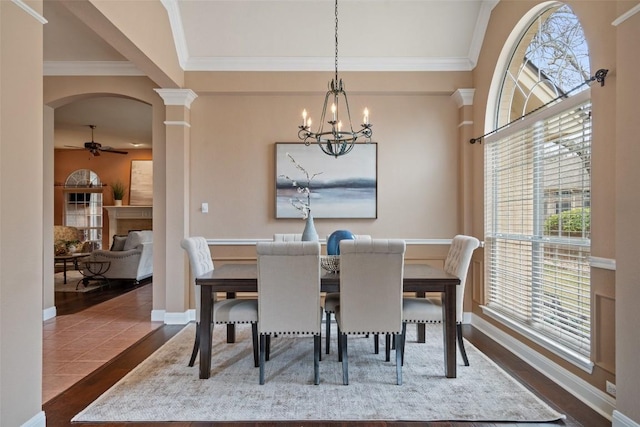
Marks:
<point>287,237</point>
<point>289,295</point>
<point>228,311</point>
<point>371,275</point>
<point>429,310</point>
<point>331,301</point>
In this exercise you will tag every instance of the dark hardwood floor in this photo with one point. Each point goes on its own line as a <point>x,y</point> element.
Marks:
<point>73,302</point>
<point>62,408</point>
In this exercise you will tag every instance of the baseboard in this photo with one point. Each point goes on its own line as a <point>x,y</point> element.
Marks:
<point>157,315</point>
<point>191,315</point>
<point>49,313</point>
<point>176,318</point>
<point>596,399</point>
<point>38,420</point>
<point>621,420</point>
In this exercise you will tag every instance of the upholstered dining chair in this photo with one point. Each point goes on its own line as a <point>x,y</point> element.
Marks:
<point>228,311</point>
<point>429,310</point>
<point>331,301</point>
<point>287,237</point>
<point>289,295</point>
<point>371,274</point>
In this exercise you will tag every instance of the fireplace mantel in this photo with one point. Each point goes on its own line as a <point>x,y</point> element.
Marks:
<point>131,217</point>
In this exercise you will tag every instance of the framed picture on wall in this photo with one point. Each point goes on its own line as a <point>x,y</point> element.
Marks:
<point>141,190</point>
<point>343,187</point>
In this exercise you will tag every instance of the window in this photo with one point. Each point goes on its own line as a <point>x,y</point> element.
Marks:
<point>83,205</point>
<point>537,191</point>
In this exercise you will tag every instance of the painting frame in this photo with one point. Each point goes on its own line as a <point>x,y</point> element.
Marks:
<point>141,183</point>
<point>345,187</point>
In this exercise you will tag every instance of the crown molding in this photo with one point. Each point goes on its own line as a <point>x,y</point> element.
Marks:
<point>628,14</point>
<point>482,23</point>
<point>175,21</point>
<point>22,5</point>
<point>90,68</point>
<point>327,64</point>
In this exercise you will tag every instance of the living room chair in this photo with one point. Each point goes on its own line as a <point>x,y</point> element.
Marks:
<point>371,275</point>
<point>332,300</point>
<point>289,295</point>
<point>429,310</point>
<point>228,311</point>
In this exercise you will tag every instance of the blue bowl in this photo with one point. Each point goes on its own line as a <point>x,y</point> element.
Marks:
<point>333,242</point>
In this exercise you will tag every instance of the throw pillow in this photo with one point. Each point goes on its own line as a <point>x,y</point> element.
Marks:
<point>118,243</point>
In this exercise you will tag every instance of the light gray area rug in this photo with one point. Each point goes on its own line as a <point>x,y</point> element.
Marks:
<point>73,276</point>
<point>164,388</point>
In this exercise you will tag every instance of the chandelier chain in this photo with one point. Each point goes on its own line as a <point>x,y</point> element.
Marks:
<point>333,139</point>
<point>336,60</point>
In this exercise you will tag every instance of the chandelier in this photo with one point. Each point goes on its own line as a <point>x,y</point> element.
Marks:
<point>338,139</point>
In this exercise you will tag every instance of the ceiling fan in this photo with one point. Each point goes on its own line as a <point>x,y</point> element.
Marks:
<point>95,147</point>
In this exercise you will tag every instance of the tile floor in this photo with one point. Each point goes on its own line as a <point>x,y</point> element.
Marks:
<point>75,345</point>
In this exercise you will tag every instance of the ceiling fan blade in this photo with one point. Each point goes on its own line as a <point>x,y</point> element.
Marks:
<point>74,146</point>
<point>111,150</point>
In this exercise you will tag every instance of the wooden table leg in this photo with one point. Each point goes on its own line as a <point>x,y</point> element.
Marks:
<point>206,310</point>
<point>231,328</point>
<point>449,316</point>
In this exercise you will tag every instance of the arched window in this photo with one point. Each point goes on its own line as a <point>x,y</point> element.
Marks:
<point>83,204</point>
<point>538,187</point>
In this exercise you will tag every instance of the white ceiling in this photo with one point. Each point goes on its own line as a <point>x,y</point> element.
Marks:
<point>269,35</point>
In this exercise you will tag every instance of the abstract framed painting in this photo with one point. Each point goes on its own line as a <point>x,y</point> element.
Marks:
<point>141,191</point>
<point>342,187</point>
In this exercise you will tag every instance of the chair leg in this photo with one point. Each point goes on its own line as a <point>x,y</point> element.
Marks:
<point>376,343</point>
<point>345,360</point>
<point>328,331</point>
<point>196,346</point>
<point>262,357</point>
<point>317,341</point>
<point>254,336</point>
<point>339,345</point>
<point>397,338</point>
<point>461,344</point>
<point>387,347</point>
<point>402,341</point>
<point>268,347</point>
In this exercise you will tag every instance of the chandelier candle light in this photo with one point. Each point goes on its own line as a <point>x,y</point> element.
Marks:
<point>335,141</point>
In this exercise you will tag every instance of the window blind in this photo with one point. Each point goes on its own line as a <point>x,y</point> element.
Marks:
<point>537,223</point>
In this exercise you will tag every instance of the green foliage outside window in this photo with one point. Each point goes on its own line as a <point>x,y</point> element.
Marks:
<point>574,222</point>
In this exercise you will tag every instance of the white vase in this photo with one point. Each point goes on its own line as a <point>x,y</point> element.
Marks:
<point>310,234</point>
<point>117,203</point>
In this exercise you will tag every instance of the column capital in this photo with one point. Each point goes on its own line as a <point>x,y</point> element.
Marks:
<point>463,97</point>
<point>182,97</point>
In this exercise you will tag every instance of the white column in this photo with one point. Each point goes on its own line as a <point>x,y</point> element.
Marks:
<point>176,169</point>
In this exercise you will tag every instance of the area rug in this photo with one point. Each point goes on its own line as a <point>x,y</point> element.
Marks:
<point>164,388</point>
<point>73,277</point>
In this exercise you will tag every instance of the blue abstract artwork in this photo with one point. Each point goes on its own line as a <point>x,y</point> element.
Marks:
<point>343,187</point>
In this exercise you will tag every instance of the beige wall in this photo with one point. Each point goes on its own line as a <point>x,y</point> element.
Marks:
<point>21,160</point>
<point>149,47</point>
<point>627,205</point>
<point>233,154</point>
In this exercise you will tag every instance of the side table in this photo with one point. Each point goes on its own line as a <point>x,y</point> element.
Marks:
<point>69,257</point>
<point>94,270</point>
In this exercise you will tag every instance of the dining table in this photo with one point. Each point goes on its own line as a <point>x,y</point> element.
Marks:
<point>234,278</point>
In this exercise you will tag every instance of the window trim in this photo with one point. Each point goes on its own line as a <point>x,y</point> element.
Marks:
<point>579,360</point>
